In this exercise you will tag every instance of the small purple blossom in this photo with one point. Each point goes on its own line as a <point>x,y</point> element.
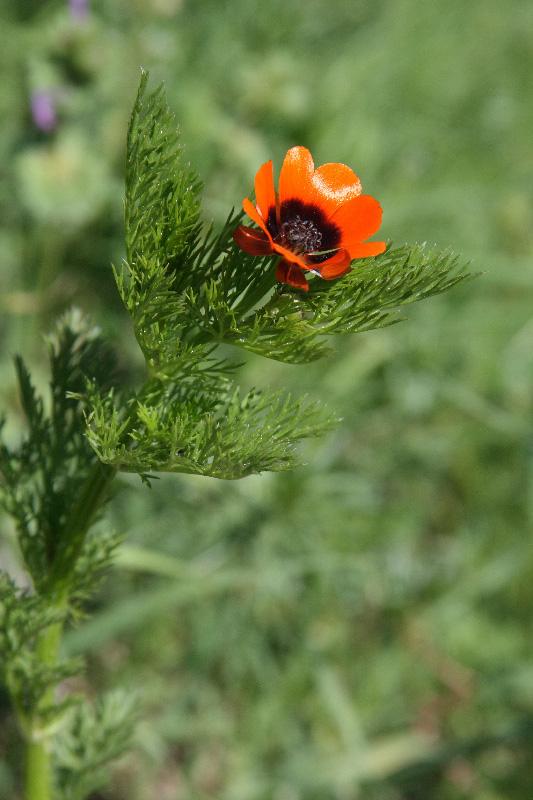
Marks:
<point>79,10</point>
<point>43,110</point>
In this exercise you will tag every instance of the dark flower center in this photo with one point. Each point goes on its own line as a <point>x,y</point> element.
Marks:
<point>305,228</point>
<point>301,234</point>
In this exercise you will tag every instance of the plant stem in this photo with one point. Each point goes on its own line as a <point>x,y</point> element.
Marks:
<point>38,752</point>
<point>39,773</point>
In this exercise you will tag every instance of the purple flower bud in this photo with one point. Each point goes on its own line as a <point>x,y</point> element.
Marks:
<point>79,10</point>
<point>43,110</point>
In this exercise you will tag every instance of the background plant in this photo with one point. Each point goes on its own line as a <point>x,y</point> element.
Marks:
<point>430,493</point>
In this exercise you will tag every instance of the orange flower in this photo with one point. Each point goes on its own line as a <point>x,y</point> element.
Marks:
<point>318,222</point>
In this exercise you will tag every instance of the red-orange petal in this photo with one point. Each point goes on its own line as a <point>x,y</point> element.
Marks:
<point>296,173</point>
<point>357,219</point>
<point>337,184</point>
<point>265,194</point>
<point>291,273</point>
<point>367,249</point>
<point>252,241</point>
<point>290,256</point>
<point>330,186</point>
<point>255,216</point>
<point>335,267</point>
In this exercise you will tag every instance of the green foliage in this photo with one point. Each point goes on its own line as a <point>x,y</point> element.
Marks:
<point>376,288</point>
<point>95,556</point>
<point>91,739</point>
<point>162,205</point>
<point>23,618</point>
<point>181,290</point>
<point>43,476</point>
<point>43,481</point>
<point>292,326</point>
<point>229,437</point>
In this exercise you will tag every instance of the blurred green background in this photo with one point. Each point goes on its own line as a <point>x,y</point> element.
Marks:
<point>361,628</point>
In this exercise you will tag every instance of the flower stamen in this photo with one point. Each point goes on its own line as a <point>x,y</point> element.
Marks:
<point>301,235</point>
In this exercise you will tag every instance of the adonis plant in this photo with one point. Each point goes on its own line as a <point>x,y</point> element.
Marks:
<point>318,222</point>
<point>305,270</point>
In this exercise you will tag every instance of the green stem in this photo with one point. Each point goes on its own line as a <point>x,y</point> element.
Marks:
<point>38,752</point>
<point>39,773</point>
